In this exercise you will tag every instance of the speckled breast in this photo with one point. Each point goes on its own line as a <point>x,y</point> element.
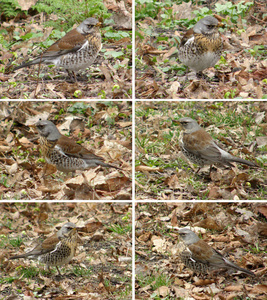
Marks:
<point>201,52</point>
<point>83,57</point>
<point>192,264</point>
<point>66,163</point>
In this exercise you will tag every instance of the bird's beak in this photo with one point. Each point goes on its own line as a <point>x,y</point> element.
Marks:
<point>33,126</point>
<point>98,24</point>
<point>74,230</point>
<point>176,122</point>
<point>219,21</point>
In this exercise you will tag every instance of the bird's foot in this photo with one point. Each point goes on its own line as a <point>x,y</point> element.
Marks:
<point>72,77</point>
<point>200,75</point>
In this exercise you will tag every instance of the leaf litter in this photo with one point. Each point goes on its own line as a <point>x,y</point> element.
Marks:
<point>162,171</point>
<point>159,271</point>
<point>101,268</point>
<point>23,167</point>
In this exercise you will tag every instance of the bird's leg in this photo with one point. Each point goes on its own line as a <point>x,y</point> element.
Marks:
<point>89,185</point>
<point>58,271</point>
<point>43,175</point>
<point>186,74</point>
<point>91,188</point>
<point>72,76</point>
<point>210,169</point>
<point>44,171</point>
<point>186,78</point>
<point>69,74</point>
<point>198,170</point>
<point>200,75</point>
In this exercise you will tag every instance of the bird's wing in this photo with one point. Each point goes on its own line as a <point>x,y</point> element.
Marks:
<point>201,251</point>
<point>46,246</point>
<point>202,144</point>
<point>188,37</point>
<point>71,42</point>
<point>70,148</point>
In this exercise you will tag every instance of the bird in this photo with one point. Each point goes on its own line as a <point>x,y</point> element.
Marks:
<point>75,51</point>
<point>56,250</point>
<point>202,258</point>
<point>201,149</point>
<point>63,152</point>
<point>201,46</point>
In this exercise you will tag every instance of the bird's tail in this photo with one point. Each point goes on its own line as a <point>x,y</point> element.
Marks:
<point>245,271</point>
<point>92,163</point>
<point>30,63</point>
<point>243,161</point>
<point>17,256</point>
<point>108,165</point>
<point>236,267</point>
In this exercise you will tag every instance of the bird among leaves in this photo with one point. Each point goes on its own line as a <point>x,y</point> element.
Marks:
<point>75,51</point>
<point>64,152</point>
<point>202,258</point>
<point>201,149</point>
<point>56,250</point>
<point>201,46</point>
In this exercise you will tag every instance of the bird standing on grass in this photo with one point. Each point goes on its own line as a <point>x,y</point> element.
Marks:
<point>200,148</point>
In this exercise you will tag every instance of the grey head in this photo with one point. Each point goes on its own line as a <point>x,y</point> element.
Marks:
<point>87,26</point>
<point>188,236</point>
<point>48,130</point>
<point>65,229</point>
<point>189,124</point>
<point>207,25</point>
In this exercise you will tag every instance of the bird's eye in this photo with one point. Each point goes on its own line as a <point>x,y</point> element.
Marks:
<point>210,26</point>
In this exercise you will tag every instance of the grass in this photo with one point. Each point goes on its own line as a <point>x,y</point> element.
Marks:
<point>231,124</point>
<point>82,272</point>
<point>157,70</point>
<point>119,229</point>
<point>154,281</point>
<point>29,272</point>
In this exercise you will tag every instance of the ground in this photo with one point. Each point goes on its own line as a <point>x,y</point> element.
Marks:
<point>230,228</point>
<point>102,127</point>
<point>241,71</point>
<point>101,268</point>
<point>162,171</point>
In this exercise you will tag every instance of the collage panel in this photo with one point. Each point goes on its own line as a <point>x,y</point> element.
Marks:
<point>66,250</point>
<point>193,150</point>
<point>200,50</point>
<point>89,182</point>
<point>200,250</point>
<point>66,150</point>
<point>66,49</point>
